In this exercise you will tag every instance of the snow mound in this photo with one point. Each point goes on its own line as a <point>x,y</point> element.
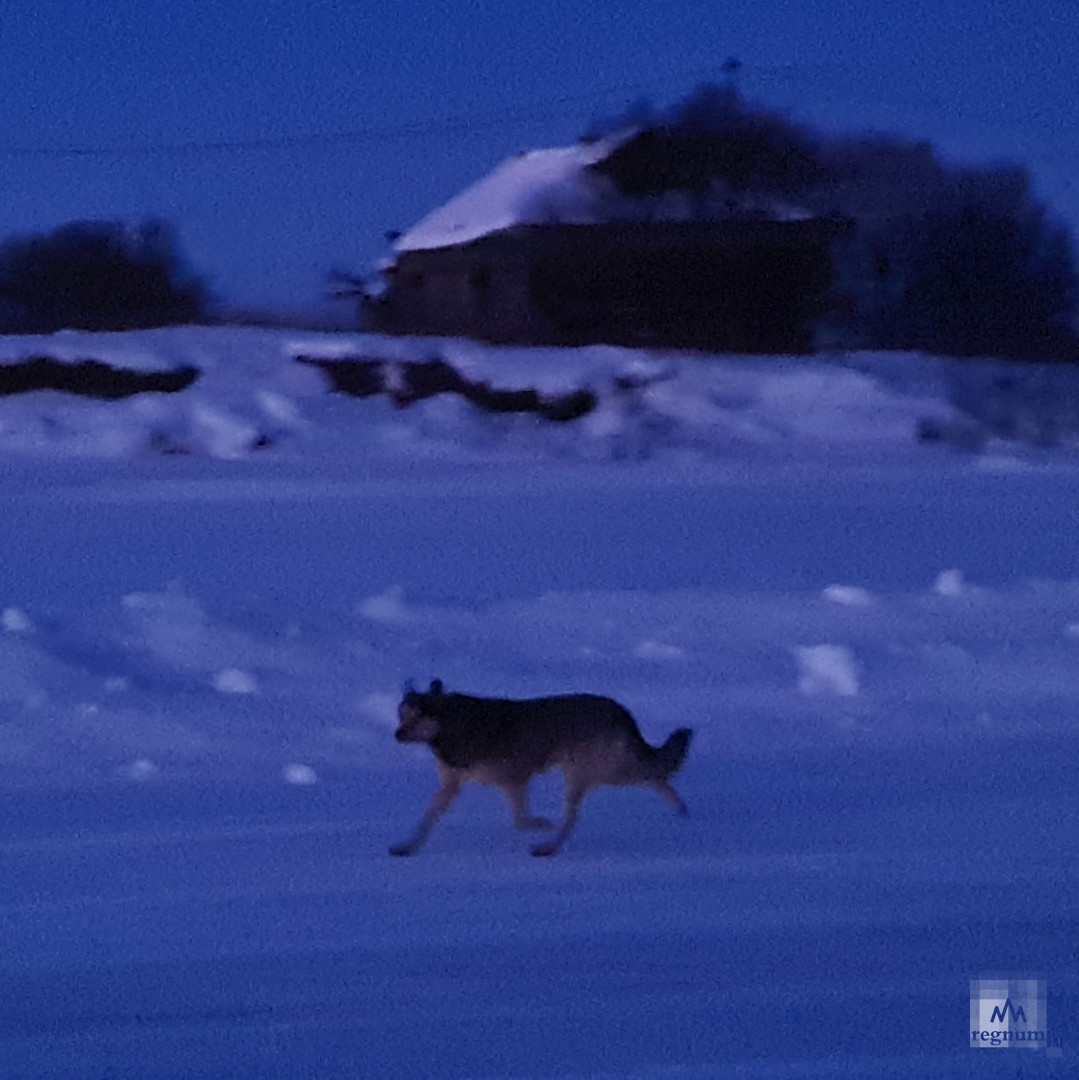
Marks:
<point>277,395</point>
<point>299,775</point>
<point>387,607</point>
<point>235,681</point>
<point>826,669</point>
<point>848,596</point>
<point>657,650</point>
<point>15,621</point>
<point>949,583</point>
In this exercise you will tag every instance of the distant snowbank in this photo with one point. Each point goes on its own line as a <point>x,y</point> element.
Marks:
<point>251,395</point>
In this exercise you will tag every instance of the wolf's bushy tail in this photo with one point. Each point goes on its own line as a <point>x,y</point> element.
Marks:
<point>672,753</point>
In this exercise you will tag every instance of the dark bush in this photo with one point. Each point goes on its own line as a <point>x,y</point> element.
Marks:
<point>713,141</point>
<point>98,275</point>
<point>408,382</point>
<point>963,261</point>
<point>90,378</point>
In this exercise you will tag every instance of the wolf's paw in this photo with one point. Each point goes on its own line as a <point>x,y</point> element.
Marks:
<point>403,849</point>
<point>536,823</point>
<point>545,849</point>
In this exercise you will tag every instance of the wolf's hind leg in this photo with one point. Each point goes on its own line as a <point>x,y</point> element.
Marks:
<point>671,796</point>
<point>443,798</point>
<point>517,796</point>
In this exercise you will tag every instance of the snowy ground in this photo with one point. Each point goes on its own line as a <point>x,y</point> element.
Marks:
<point>209,602</point>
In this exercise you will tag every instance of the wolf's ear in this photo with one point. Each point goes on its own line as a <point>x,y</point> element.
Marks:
<point>436,686</point>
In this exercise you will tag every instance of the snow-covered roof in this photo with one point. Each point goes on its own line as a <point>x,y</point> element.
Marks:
<point>533,188</point>
<point>558,187</point>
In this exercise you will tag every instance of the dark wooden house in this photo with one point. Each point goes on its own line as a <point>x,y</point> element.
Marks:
<point>745,283</point>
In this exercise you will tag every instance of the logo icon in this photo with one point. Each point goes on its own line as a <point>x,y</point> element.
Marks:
<point>1008,1012</point>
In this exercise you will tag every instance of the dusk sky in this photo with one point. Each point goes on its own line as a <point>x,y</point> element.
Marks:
<point>283,139</point>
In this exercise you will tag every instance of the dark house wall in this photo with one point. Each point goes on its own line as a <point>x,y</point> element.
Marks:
<point>740,285</point>
<point>480,290</point>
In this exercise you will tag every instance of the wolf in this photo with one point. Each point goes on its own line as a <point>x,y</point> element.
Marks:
<point>505,742</point>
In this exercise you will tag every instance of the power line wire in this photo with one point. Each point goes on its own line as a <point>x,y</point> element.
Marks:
<point>543,112</point>
<point>820,76</point>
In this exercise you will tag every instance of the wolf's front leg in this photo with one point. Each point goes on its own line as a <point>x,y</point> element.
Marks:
<point>443,798</point>
<point>575,792</point>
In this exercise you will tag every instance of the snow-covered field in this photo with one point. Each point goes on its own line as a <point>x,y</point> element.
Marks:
<point>865,602</point>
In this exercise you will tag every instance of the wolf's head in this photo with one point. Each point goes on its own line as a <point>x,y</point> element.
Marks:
<point>418,714</point>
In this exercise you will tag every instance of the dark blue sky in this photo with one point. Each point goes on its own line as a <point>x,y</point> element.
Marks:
<point>429,96</point>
